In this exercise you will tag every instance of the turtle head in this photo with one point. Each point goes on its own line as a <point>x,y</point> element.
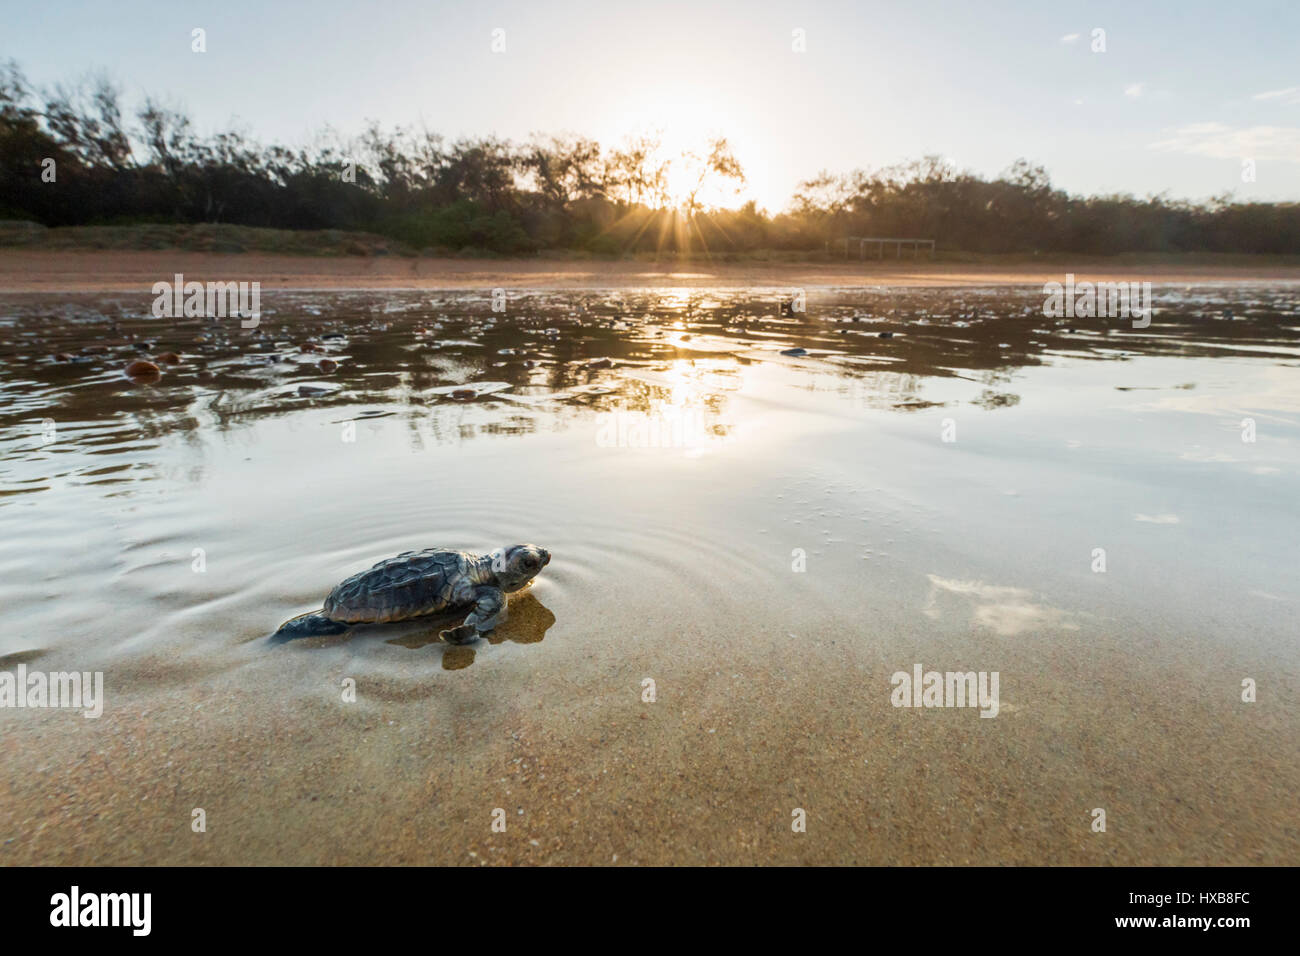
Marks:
<point>519,564</point>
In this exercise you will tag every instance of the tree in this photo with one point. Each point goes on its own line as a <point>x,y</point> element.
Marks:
<point>718,164</point>
<point>87,118</point>
<point>638,173</point>
<point>563,169</point>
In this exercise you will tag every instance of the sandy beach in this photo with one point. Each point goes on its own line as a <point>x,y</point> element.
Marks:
<point>133,271</point>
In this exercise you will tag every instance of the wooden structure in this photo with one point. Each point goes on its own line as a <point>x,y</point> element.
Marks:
<point>880,243</point>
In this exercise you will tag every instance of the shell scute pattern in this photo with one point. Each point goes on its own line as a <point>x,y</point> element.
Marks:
<point>411,584</point>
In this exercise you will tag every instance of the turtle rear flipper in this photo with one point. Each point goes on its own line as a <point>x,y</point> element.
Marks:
<point>312,624</point>
<point>465,634</point>
<point>489,611</point>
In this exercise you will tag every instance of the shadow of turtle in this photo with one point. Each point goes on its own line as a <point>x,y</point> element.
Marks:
<point>527,622</point>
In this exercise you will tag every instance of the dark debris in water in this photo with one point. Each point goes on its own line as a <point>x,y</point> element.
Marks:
<point>70,357</point>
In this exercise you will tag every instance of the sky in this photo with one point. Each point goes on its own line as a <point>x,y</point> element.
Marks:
<point>1183,94</point>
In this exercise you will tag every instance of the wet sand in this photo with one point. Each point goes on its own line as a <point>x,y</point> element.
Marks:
<point>130,271</point>
<point>1119,690</point>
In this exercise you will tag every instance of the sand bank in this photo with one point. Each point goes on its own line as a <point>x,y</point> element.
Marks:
<point>128,271</point>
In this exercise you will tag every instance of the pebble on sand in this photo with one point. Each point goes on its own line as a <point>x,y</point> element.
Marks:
<point>143,371</point>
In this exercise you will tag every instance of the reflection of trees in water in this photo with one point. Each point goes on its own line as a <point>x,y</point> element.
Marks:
<point>400,345</point>
<point>989,400</point>
<point>877,389</point>
<point>995,376</point>
<point>450,422</point>
<point>158,423</point>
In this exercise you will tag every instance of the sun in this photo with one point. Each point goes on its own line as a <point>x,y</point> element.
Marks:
<point>680,178</point>
<point>684,126</point>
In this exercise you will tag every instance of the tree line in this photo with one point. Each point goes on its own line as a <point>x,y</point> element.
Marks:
<point>115,166</point>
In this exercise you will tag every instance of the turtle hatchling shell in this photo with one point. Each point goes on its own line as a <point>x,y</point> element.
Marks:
<point>410,585</point>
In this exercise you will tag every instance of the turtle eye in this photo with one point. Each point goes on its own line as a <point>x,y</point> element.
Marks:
<point>530,562</point>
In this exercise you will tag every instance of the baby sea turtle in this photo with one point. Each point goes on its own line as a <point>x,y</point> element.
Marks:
<point>416,583</point>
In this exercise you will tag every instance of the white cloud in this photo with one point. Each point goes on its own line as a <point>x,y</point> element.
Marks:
<point>1289,95</point>
<point>1069,38</point>
<point>1134,89</point>
<point>1270,143</point>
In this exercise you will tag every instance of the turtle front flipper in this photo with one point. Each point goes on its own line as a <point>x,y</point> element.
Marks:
<point>489,611</point>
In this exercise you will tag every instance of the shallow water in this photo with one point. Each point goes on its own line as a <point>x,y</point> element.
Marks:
<point>766,537</point>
